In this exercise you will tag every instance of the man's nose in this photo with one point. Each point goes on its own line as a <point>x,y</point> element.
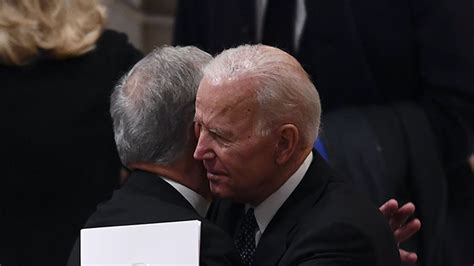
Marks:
<point>203,149</point>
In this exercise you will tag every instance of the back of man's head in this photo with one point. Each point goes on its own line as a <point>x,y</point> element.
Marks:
<point>152,107</point>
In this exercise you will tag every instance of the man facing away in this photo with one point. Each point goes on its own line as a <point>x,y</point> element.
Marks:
<point>257,117</point>
<point>152,109</point>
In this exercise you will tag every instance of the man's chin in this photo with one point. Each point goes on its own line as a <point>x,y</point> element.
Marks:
<point>218,191</point>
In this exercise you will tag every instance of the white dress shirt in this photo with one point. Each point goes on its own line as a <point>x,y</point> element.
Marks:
<point>265,211</point>
<point>199,203</point>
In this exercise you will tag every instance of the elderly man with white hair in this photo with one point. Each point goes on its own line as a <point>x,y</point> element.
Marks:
<point>257,117</point>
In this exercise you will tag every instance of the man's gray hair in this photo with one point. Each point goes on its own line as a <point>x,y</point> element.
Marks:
<point>152,106</point>
<point>284,91</point>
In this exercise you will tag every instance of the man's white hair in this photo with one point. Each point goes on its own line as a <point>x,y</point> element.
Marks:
<point>152,107</point>
<point>284,91</point>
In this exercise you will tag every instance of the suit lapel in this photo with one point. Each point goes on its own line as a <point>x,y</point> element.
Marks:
<point>226,214</point>
<point>274,241</point>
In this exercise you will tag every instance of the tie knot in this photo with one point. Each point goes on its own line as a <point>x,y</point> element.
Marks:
<point>245,239</point>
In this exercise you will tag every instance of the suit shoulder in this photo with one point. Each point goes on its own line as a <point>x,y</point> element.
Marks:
<point>341,201</point>
<point>126,208</point>
<point>350,226</point>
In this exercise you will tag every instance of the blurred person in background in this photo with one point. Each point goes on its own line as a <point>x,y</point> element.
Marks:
<point>58,67</point>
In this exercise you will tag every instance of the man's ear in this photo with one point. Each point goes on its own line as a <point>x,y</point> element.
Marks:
<point>288,137</point>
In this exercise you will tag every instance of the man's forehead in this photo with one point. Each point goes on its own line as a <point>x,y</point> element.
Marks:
<point>230,92</point>
<point>215,108</point>
<point>235,82</point>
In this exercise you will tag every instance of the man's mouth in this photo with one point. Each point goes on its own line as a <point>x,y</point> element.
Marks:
<point>213,176</point>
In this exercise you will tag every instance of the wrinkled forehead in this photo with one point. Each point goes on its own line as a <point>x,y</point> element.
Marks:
<point>225,97</point>
<point>226,92</point>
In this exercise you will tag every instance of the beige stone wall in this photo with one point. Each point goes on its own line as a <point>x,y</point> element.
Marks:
<point>148,23</point>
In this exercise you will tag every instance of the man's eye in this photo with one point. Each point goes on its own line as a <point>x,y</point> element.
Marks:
<point>215,135</point>
<point>218,136</point>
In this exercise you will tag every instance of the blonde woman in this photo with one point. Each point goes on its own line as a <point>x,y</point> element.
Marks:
<point>58,67</point>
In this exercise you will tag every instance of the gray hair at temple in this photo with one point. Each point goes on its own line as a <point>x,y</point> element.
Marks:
<point>152,106</point>
<point>284,91</point>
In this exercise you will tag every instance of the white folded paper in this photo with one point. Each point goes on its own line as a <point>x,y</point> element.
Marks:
<point>174,243</point>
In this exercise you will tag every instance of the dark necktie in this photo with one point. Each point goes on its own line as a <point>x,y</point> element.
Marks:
<point>279,24</point>
<point>245,239</point>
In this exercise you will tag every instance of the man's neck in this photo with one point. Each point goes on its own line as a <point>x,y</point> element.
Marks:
<point>284,173</point>
<point>179,175</point>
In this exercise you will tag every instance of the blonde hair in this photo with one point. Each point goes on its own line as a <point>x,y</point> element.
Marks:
<point>56,28</point>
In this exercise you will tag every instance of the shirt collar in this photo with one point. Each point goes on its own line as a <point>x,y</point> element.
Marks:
<point>265,211</point>
<point>199,203</point>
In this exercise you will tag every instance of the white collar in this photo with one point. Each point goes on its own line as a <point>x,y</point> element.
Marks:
<point>199,203</point>
<point>265,211</point>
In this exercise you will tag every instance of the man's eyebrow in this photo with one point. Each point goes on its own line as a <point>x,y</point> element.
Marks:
<point>215,130</point>
<point>220,132</point>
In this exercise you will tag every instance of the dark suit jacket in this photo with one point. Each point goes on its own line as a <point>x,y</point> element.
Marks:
<point>146,198</point>
<point>323,222</point>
